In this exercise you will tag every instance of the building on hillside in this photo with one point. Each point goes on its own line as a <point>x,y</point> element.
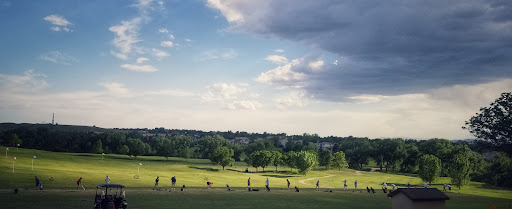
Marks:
<point>423,198</point>
<point>242,140</point>
<point>325,145</point>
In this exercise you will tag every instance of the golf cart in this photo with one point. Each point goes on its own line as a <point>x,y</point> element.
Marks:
<point>112,197</point>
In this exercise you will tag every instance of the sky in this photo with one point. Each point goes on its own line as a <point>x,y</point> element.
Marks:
<point>379,69</point>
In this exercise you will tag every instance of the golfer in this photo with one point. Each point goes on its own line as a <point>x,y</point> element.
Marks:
<point>345,185</point>
<point>37,183</point>
<point>173,180</point>
<point>318,185</point>
<point>267,182</point>
<point>107,180</point>
<point>249,183</point>
<point>156,182</point>
<point>355,184</point>
<point>79,184</point>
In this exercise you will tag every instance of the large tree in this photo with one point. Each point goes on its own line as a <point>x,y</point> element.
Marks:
<point>494,123</point>
<point>410,162</point>
<point>136,147</point>
<point>14,139</point>
<point>306,160</point>
<point>277,159</point>
<point>222,156</point>
<point>429,168</point>
<point>325,158</point>
<point>338,161</point>
<point>459,170</point>
<point>290,159</point>
<point>97,147</point>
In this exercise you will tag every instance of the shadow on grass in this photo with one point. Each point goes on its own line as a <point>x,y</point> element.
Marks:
<point>205,169</point>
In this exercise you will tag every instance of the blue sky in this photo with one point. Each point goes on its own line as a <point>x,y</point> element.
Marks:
<point>410,69</point>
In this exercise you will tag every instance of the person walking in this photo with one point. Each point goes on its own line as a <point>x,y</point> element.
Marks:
<point>107,180</point>
<point>267,183</point>
<point>173,181</point>
<point>156,182</point>
<point>288,182</point>
<point>318,185</point>
<point>393,186</point>
<point>79,184</point>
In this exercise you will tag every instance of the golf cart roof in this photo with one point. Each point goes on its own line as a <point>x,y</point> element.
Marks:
<point>111,185</point>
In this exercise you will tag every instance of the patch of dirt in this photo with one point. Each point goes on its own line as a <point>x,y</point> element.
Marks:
<point>358,173</point>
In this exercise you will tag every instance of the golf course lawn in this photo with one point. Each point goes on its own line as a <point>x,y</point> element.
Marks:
<point>66,168</point>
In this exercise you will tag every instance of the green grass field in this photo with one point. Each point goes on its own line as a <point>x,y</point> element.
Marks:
<point>66,168</point>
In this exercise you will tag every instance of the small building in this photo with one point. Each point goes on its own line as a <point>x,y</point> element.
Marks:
<point>420,198</point>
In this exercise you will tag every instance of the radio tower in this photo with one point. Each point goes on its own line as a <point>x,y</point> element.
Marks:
<point>53,119</point>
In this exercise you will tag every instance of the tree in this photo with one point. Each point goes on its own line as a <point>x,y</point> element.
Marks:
<point>222,156</point>
<point>14,139</point>
<point>493,123</point>
<point>338,160</point>
<point>306,161</point>
<point>265,158</point>
<point>325,158</point>
<point>210,143</point>
<point>124,150</point>
<point>499,170</point>
<point>441,148</point>
<point>410,162</point>
<point>459,170</point>
<point>136,146</point>
<point>290,159</point>
<point>97,147</point>
<point>185,153</point>
<point>429,168</point>
<point>277,159</point>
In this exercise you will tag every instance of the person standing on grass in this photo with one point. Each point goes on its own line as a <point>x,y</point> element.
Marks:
<point>267,183</point>
<point>408,185</point>
<point>37,183</point>
<point>425,184</point>
<point>107,180</point>
<point>393,185</point>
<point>355,184</point>
<point>345,185</point>
<point>318,185</point>
<point>156,182</point>
<point>79,184</point>
<point>444,187</point>
<point>288,182</point>
<point>173,180</point>
<point>249,182</point>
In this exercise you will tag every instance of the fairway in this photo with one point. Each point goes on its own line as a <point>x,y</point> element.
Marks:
<point>66,168</point>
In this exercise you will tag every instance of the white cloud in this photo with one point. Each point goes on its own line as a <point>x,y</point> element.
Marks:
<point>316,65</point>
<point>139,68</point>
<point>58,58</point>
<point>159,53</point>
<point>167,43</point>
<point>57,20</point>
<point>219,54</point>
<point>188,40</point>
<point>60,23</point>
<point>283,75</point>
<point>243,105</point>
<point>232,15</point>
<point>163,30</point>
<point>126,36</point>
<point>279,50</point>
<point>335,62</point>
<point>292,99</point>
<point>366,98</point>
<point>174,93</point>
<point>117,89</point>
<point>222,91</point>
<point>171,37</point>
<point>277,59</point>
<point>140,60</point>
<point>28,82</point>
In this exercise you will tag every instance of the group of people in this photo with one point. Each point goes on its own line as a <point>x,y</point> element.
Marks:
<point>39,185</point>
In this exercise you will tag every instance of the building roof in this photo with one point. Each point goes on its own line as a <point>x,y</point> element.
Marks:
<point>421,194</point>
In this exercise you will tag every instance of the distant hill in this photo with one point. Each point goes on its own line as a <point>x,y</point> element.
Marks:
<point>71,128</point>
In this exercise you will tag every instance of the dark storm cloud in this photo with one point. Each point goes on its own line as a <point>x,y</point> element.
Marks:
<point>394,47</point>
